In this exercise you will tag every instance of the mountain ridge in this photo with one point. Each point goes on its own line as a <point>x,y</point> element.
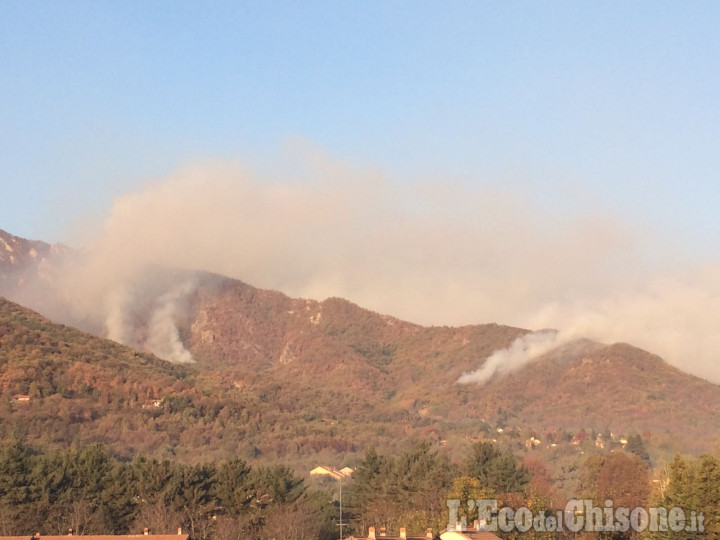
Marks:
<point>331,377</point>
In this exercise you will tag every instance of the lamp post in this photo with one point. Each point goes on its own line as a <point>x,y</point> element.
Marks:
<point>341,523</point>
<point>335,475</point>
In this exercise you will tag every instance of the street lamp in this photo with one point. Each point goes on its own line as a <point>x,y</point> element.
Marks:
<point>341,523</point>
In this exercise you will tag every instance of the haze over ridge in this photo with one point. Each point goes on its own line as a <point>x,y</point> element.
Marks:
<point>431,253</point>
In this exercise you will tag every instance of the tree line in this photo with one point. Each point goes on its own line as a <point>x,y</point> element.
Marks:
<point>410,489</point>
<point>89,491</point>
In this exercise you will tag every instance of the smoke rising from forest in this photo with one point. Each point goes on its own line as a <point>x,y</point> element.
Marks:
<point>431,252</point>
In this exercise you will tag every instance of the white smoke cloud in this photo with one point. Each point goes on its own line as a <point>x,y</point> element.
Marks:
<point>134,304</point>
<point>117,326</point>
<point>163,334</point>
<point>521,351</point>
<point>673,315</point>
<point>431,252</point>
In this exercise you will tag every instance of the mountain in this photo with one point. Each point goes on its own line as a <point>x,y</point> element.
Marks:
<point>304,381</point>
<point>27,268</point>
<point>19,256</point>
<point>370,360</point>
<point>616,388</point>
<point>59,385</point>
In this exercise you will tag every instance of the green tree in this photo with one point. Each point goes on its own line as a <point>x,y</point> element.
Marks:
<point>277,484</point>
<point>403,490</point>
<point>707,492</point>
<point>636,446</point>
<point>193,497</point>
<point>14,486</point>
<point>366,497</point>
<point>693,486</point>
<point>498,471</point>
<point>233,487</point>
<point>72,490</point>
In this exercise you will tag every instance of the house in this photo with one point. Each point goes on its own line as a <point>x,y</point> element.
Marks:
<point>531,443</point>
<point>579,437</point>
<point>21,398</point>
<point>600,441</point>
<point>321,470</point>
<point>153,403</point>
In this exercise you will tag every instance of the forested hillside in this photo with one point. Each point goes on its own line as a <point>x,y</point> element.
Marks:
<point>306,381</point>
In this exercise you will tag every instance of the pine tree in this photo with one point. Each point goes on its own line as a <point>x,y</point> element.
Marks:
<point>497,471</point>
<point>707,487</point>
<point>233,487</point>
<point>14,486</point>
<point>636,446</point>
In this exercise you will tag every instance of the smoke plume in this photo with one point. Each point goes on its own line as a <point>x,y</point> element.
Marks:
<point>433,252</point>
<point>520,351</point>
<point>163,335</point>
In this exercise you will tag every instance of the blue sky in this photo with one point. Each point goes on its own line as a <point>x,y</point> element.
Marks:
<point>617,101</point>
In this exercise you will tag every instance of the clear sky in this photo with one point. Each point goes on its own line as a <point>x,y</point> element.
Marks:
<point>620,100</point>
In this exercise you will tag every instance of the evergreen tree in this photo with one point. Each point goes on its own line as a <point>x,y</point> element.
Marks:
<point>15,491</point>
<point>498,471</point>
<point>193,496</point>
<point>403,490</point>
<point>277,484</point>
<point>707,487</point>
<point>366,497</point>
<point>233,487</point>
<point>636,446</point>
<point>693,486</point>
